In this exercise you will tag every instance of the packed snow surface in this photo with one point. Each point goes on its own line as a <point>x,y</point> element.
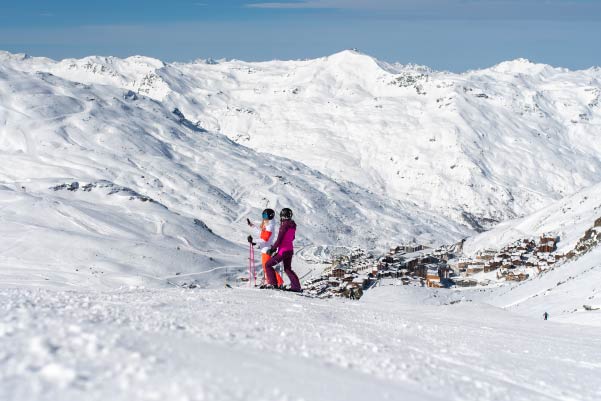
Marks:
<point>238,344</point>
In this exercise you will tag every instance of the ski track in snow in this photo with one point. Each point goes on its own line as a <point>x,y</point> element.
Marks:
<point>244,344</point>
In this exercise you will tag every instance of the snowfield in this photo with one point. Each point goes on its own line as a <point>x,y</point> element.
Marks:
<point>122,179</point>
<point>479,147</point>
<point>103,178</point>
<point>563,292</point>
<point>567,218</point>
<point>239,344</point>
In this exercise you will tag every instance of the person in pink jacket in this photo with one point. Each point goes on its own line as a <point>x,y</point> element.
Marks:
<point>284,245</point>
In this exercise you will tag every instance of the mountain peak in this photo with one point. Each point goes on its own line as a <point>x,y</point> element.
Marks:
<point>147,61</point>
<point>521,66</point>
<point>349,55</point>
<point>359,61</point>
<point>4,55</point>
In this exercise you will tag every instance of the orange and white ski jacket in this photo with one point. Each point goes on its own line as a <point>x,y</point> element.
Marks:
<point>266,235</point>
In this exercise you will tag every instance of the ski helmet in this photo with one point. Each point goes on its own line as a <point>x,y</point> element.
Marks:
<point>268,214</point>
<point>286,214</point>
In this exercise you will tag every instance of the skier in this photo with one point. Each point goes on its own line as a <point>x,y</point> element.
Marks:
<point>546,316</point>
<point>266,234</point>
<point>285,250</point>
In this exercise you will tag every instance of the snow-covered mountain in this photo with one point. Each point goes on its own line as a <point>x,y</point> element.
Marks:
<point>479,147</point>
<point>567,218</point>
<point>567,289</point>
<point>104,179</point>
<point>134,172</point>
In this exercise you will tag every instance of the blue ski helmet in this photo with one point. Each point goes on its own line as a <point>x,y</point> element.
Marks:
<point>268,214</point>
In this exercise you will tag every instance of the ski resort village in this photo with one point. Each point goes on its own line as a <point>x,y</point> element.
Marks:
<point>327,227</point>
<point>446,266</point>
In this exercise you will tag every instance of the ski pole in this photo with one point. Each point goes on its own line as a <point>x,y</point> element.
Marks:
<point>254,266</point>
<point>250,263</point>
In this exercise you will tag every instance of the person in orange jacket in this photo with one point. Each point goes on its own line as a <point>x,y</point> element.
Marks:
<point>265,237</point>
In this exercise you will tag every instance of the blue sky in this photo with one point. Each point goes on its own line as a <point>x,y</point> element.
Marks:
<point>444,34</point>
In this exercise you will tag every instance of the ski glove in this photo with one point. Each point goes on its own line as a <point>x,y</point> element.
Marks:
<point>250,239</point>
<point>272,251</point>
<point>250,224</point>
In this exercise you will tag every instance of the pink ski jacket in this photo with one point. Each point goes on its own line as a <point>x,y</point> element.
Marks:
<point>286,235</point>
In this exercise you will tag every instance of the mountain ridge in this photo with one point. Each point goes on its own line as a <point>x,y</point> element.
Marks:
<point>424,154</point>
<point>172,174</point>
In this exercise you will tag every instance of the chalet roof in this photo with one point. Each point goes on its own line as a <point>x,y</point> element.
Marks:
<point>417,254</point>
<point>487,251</point>
<point>465,280</point>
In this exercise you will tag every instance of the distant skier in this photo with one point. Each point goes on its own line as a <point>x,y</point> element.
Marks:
<point>546,316</point>
<point>284,245</point>
<point>265,233</point>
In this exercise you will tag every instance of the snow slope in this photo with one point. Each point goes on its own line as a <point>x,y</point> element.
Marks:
<point>90,121</point>
<point>479,147</point>
<point>250,344</point>
<point>569,218</point>
<point>562,292</point>
<point>100,178</point>
<point>116,174</point>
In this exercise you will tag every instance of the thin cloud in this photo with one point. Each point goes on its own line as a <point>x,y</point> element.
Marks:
<point>408,5</point>
<point>346,4</point>
<point>304,4</point>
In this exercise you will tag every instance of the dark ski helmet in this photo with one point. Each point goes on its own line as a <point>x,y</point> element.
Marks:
<point>286,214</point>
<point>268,214</point>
